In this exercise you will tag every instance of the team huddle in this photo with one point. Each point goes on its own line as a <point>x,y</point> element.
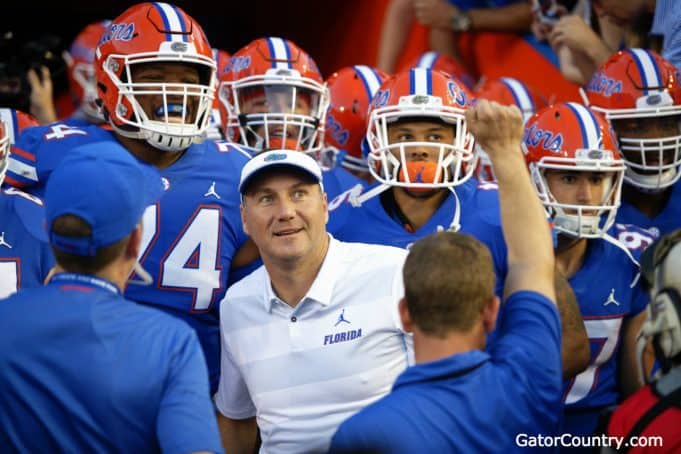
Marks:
<point>182,186</point>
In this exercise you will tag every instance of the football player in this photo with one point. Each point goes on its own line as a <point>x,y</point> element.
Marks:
<point>420,151</point>
<point>214,131</point>
<point>640,93</point>
<point>25,256</point>
<point>423,159</point>
<point>80,60</point>
<point>155,77</point>
<point>577,172</point>
<point>273,96</point>
<point>351,90</point>
<point>272,92</point>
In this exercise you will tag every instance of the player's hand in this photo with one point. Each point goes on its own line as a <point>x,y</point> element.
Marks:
<point>573,32</point>
<point>497,129</point>
<point>42,104</point>
<point>434,13</point>
<point>540,30</point>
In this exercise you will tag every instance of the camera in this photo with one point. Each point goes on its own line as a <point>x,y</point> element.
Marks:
<point>548,12</point>
<point>18,56</point>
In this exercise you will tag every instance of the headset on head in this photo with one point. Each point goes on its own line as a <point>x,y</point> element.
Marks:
<point>661,271</point>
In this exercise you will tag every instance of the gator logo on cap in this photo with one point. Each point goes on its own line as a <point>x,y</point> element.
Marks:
<point>275,157</point>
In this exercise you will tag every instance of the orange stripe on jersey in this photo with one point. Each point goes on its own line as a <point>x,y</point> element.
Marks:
<point>12,182</point>
<point>23,154</point>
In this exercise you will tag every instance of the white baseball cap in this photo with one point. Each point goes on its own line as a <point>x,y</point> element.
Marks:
<point>279,158</point>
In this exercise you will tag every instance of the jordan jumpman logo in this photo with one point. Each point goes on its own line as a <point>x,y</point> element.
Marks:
<point>341,318</point>
<point>211,191</point>
<point>3,242</point>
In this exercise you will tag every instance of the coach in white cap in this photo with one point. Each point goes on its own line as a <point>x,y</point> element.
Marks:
<point>313,336</point>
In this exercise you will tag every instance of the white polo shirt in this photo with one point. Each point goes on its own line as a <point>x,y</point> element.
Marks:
<point>304,370</point>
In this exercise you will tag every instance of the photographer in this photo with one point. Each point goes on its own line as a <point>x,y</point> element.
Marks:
<point>30,74</point>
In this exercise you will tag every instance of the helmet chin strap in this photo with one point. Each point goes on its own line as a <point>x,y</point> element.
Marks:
<point>144,276</point>
<point>455,225</point>
<point>570,225</point>
<point>575,225</point>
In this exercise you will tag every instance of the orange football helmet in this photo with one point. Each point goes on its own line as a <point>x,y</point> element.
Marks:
<point>508,92</point>
<point>155,33</point>
<point>639,84</point>
<point>272,89</point>
<point>215,125</point>
<point>440,62</point>
<point>350,90</point>
<point>12,123</point>
<point>416,95</point>
<point>569,136</point>
<point>80,60</point>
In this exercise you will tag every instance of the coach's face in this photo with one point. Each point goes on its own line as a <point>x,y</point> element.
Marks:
<point>285,213</point>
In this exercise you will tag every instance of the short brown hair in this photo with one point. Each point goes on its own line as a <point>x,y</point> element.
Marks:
<point>76,227</point>
<point>448,279</point>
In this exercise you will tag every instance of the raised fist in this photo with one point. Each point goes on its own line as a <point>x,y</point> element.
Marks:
<point>497,129</point>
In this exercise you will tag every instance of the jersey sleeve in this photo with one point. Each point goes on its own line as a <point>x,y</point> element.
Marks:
<point>38,150</point>
<point>22,170</point>
<point>340,211</point>
<point>529,341</point>
<point>636,240</point>
<point>31,212</point>
<point>186,420</point>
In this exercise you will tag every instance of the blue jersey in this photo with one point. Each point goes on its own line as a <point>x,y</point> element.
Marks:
<point>77,121</point>
<point>25,256</point>
<point>337,180</point>
<point>38,150</point>
<point>667,220</point>
<point>190,235</point>
<point>88,371</point>
<point>370,223</point>
<point>606,299</point>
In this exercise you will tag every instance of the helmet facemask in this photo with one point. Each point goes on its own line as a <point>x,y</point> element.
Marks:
<point>84,75</point>
<point>277,107</point>
<point>653,164</point>
<point>577,220</point>
<point>390,163</point>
